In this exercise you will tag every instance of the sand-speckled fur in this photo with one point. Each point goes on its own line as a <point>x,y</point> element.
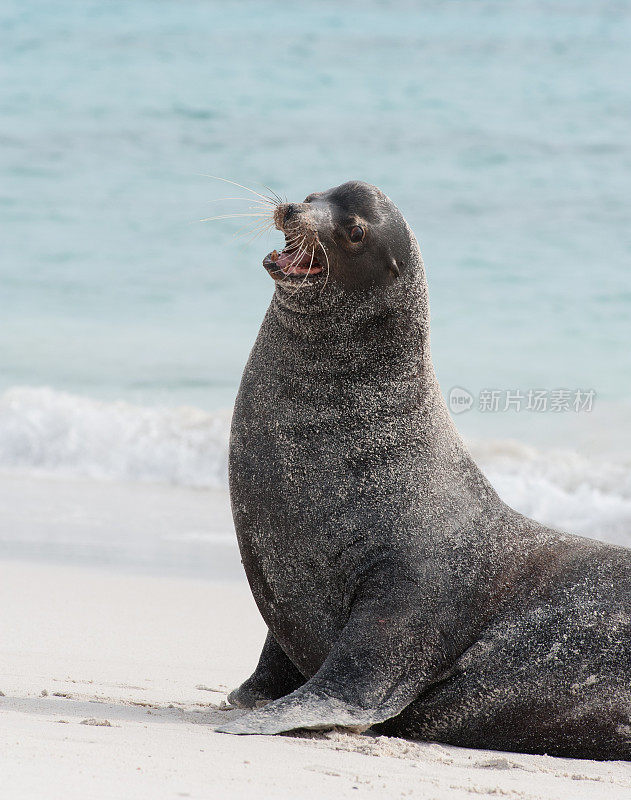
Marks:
<point>399,591</point>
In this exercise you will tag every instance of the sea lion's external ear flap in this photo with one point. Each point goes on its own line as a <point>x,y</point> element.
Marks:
<point>394,267</point>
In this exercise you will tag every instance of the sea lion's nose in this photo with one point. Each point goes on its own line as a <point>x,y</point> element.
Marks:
<point>291,210</point>
<point>285,213</point>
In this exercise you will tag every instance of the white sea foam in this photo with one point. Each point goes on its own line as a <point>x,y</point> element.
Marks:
<point>590,496</point>
<point>48,431</point>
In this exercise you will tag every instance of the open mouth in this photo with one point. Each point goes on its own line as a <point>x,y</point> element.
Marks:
<point>292,262</point>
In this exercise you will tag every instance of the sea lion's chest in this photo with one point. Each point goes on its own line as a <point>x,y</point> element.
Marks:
<point>301,582</point>
<point>295,504</point>
<point>308,510</point>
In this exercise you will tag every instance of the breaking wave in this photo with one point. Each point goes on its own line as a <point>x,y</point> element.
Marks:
<point>561,488</point>
<point>43,430</point>
<point>50,431</point>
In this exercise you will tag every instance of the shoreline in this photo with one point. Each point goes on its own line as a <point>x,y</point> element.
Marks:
<point>154,657</point>
<point>128,527</point>
<point>163,528</point>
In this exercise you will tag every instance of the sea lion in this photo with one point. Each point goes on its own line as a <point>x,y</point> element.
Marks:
<point>399,591</point>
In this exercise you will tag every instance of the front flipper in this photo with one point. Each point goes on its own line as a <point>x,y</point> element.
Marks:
<point>301,709</point>
<point>274,677</point>
<point>383,658</point>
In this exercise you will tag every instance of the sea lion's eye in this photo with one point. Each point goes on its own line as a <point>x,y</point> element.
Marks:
<point>356,233</point>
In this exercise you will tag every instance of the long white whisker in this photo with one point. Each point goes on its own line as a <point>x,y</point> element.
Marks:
<point>262,203</point>
<point>258,234</point>
<point>254,233</point>
<point>308,271</point>
<point>293,237</point>
<point>275,194</point>
<point>292,244</point>
<point>296,258</point>
<point>240,185</point>
<point>232,216</point>
<point>251,227</point>
<point>328,266</point>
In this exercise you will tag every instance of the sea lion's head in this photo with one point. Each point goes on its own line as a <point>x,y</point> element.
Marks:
<point>351,236</point>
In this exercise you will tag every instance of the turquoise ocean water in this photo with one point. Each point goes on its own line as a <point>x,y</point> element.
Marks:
<point>502,130</point>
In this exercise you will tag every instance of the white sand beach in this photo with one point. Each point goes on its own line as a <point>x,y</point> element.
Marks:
<point>144,145</point>
<point>112,681</point>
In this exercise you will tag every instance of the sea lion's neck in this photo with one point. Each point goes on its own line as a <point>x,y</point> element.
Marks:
<point>370,335</point>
